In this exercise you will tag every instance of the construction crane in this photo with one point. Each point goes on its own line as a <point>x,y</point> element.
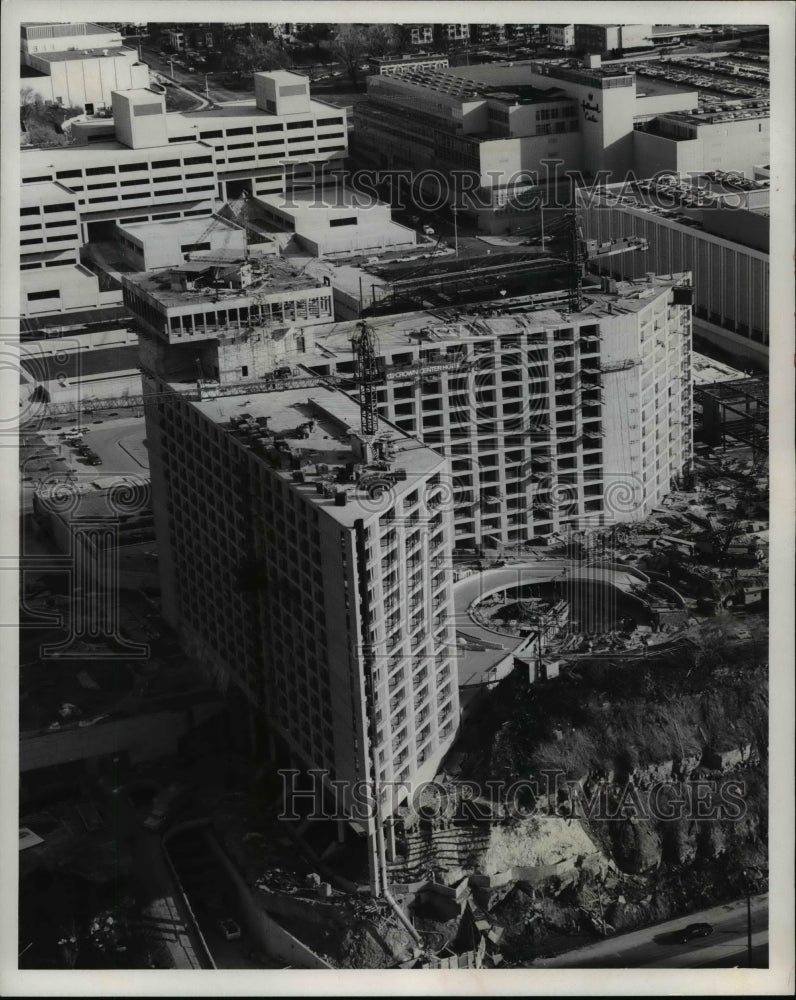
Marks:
<point>368,373</point>
<point>240,206</point>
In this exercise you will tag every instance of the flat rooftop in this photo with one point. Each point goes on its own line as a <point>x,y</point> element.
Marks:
<point>278,277</point>
<point>187,228</point>
<point>178,121</point>
<point>76,29</point>
<point>45,191</point>
<point>101,53</point>
<point>672,201</point>
<point>400,331</point>
<point>95,154</point>
<point>325,419</point>
<point>714,116</point>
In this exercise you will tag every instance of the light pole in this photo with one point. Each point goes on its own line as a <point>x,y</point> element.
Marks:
<point>171,66</point>
<point>455,231</point>
<point>207,92</point>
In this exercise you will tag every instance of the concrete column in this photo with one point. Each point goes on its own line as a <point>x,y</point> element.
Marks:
<point>390,842</point>
<point>340,831</point>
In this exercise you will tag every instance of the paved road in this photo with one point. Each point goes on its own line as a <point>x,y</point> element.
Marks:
<point>654,947</point>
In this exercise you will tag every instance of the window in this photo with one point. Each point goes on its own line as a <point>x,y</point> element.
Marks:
<point>214,134</point>
<point>291,126</point>
<point>270,128</point>
<point>60,207</point>
<point>96,171</point>
<point>164,163</point>
<point>247,130</point>
<point>68,173</point>
<point>35,180</point>
<point>52,293</point>
<point>194,159</point>
<point>329,121</point>
<point>30,210</point>
<point>127,167</point>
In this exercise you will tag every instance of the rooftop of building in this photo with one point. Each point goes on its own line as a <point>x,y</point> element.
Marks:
<point>429,329</point>
<point>134,94</point>
<point>668,197</point>
<point>188,228</point>
<point>97,154</point>
<point>272,276</point>
<point>81,28</point>
<point>239,109</point>
<point>88,53</point>
<point>337,196</point>
<point>470,83</point>
<point>314,428</point>
<point>730,112</point>
<point>406,57</point>
<point>45,191</point>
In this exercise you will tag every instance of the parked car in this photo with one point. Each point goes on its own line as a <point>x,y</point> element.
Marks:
<point>428,231</point>
<point>693,931</point>
<point>229,928</point>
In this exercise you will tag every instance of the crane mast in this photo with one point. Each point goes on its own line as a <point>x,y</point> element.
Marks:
<point>368,374</point>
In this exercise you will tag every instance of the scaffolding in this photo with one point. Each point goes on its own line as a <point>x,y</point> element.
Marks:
<point>737,410</point>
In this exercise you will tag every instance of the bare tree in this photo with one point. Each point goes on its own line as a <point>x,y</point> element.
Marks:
<point>350,47</point>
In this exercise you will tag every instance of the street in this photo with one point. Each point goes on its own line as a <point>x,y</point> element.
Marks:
<point>656,948</point>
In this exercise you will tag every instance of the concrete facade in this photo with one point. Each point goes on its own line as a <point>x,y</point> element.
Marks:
<point>731,279</point>
<point>327,605</point>
<point>79,65</point>
<point>502,123</point>
<point>733,140</point>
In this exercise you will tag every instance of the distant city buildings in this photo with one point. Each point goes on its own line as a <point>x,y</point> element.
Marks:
<point>495,126</point>
<point>78,65</point>
<point>561,35</point>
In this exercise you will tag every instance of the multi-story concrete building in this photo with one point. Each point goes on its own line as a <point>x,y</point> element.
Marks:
<point>488,34</point>
<point>78,65</point>
<point>561,35</point>
<point>720,236</point>
<point>146,167</point>
<point>420,34</point>
<point>611,39</point>
<point>305,565</point>
<point>736,138</point>
<point>181,163</point>
<point>501,128</point>
<point>545,415</point>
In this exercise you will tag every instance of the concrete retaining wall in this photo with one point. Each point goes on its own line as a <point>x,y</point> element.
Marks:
<point>269,936</point>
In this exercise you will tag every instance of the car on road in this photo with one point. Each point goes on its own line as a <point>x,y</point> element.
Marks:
<point>229,928</point>
<point>694,931</point>
<point>428,230</point>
